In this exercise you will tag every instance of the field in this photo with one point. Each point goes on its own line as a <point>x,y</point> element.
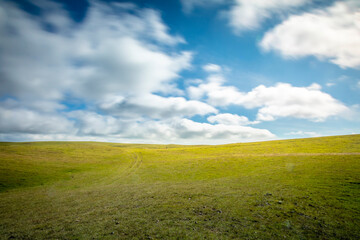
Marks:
<point>291,189</point>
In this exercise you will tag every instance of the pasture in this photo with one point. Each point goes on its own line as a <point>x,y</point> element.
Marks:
<point>288,189</point>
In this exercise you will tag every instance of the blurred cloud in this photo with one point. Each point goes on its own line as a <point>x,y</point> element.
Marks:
<point>226,133</point>
<point>155,106</point>
<point>122,66</point>
<point>212,68</point>
<point>331,34</point>
<point>330,84</point>
<point>281,100</point>
<point>285,100</point>
<point>303,134</point>
<point>245,15</point>
<point>95,127</point>
<point>229,119</point>
<point>249,15</point>
<point>116,62</point>
<point>112,51</point>
<point>21,120</point>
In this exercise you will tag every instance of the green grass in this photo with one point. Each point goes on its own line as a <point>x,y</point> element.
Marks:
<point>292,189</point>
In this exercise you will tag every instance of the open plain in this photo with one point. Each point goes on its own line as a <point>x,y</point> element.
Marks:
<point>288,189</point>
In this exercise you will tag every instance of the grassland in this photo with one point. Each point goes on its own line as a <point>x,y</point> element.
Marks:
<point>293,189</point>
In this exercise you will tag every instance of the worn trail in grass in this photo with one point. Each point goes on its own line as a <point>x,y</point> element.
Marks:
<point>297,189</point>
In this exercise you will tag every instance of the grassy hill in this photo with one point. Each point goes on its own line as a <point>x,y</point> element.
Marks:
<point>292,189</point>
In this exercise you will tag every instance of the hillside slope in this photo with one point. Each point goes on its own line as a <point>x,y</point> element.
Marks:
<point>299,189</point>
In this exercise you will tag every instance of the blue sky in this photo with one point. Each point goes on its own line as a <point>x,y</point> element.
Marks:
<point>180,71</point>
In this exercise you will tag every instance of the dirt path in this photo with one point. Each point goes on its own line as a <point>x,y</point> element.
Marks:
<point>135,164</point>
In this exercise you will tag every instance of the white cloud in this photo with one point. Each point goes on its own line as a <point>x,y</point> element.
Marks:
<point>91,123</point>
<point>21,120</point>
<point>115,20</point>
<point>31,59</point>
<point>173,130</point>
<point>229,119</point>
<point>245,14</point>
<point>215,93</point>
<point>249,15</point>
<point>212,68</point>
<point>117,50</point>
<point>41,106</point>
<point>157,29</point>
<point>87,125</point>
<point>284,100</point>
<point>111,51</point>
<point>126,66</point>
<point>330,34</point>
<point>121,65</point>
<point>302,133</point>
<point>281,100</point>
<point>154,106</point>
<point>188,129</point>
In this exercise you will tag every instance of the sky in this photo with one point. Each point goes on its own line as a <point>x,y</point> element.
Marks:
<point>178,71</point>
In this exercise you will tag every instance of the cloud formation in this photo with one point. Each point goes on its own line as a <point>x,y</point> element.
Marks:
<point>22,120</point>
<point>229,119</point>
<point>303,134</point>
<point>156,107</point>
<point>331,34</point>
<point>120,64</point>
<point>284,100</point>
<point>112,51</point>
<point>212,68</point>
<point>249,15</point>
<point>230,133</point>
<point>281,100</point>
<point>117,75</point>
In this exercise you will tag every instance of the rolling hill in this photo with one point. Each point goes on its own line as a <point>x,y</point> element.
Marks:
<point>288,189</point>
